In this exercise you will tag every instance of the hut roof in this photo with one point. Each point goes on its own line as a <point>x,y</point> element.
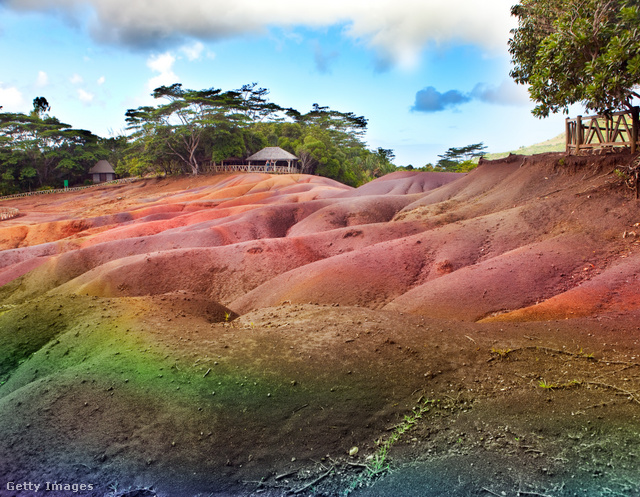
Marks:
<point>102,166</point>
<point>272,153</point>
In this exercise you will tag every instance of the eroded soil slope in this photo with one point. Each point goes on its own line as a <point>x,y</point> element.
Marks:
<point>426,334</point>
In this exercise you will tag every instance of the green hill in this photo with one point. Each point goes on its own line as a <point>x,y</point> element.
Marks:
<point>556,144</point>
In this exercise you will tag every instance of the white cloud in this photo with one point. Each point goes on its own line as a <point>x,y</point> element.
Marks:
<point>11,99</point>
<point>42,80</point>
<point>85,96</point>
<point>101,80</point>
<point>194,51</point>
<point>507,93</point>
<point>162,64</point>
<point>398,30</point>
<point>76,79</point>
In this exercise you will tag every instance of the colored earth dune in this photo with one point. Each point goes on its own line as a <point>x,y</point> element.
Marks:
<point>425,334</point>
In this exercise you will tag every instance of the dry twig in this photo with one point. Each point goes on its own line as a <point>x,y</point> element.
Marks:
<point>490,491</point>
<point>310,484</point>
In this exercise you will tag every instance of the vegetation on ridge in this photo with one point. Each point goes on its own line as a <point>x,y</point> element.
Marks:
<point>577,52</point>
<point>190,129</point>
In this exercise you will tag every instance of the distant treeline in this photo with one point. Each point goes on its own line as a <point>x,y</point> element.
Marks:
<point>192,127</point>
<point>38,151</point>
<point>187,129</point>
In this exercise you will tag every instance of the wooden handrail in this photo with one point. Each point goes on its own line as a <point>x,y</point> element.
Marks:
<point>619,129</point>
<point>250,168</point>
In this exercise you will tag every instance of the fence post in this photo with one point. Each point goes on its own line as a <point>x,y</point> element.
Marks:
<point>567,138</point>
<point>635,123</point>
<point>578,133</point>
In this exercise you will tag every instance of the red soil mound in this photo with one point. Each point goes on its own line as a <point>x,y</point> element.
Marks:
<point>509,281</point>
<point>404,183</point>
<point>509,235</point>
<point>352,212</point>
<point>615,289</point>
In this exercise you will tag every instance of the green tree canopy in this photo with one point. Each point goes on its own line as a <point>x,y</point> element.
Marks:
<point>194,127</point>
<point>577,51</point>
<point>461,159</point>
<point>43,149</point>
<point>182,124</point>
<point>40,106</point>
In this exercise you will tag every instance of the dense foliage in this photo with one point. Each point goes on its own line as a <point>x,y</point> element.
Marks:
<point>189,129</point>
<point>195,127</point>
<point>460,159</point>
<point>37,150</point>
<point>577,51</point>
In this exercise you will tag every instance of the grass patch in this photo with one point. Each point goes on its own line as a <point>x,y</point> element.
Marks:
<point>500,353</point>
<point>552,386</point>
<point>555,144</point>
<point>379,463</point>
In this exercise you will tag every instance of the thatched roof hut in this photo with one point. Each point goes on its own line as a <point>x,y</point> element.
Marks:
<point>270,156</point>
<point>102,171</point>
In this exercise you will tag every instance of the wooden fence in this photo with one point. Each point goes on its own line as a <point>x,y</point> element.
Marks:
<point>8,213</point>
<point>247,168</point>
<point>620,129</point>
<point>66,190</point>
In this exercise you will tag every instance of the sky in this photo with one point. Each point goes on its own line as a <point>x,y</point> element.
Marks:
<point>427,74</point>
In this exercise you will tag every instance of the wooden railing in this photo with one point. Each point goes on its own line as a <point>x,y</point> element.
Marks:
<point>249,168</point>
<point>620,129</point>
<point>8,213</point>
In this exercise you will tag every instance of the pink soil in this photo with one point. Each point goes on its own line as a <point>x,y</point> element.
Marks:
<point>510,235</point>
<point>472,288</point>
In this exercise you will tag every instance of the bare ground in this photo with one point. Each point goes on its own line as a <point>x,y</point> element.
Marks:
<point>472,339</point>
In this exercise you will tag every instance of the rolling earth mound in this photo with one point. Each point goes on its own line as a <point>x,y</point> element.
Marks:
<point>253,334</point>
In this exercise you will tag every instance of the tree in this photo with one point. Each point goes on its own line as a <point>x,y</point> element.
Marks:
<point>40,106</point>
<point>254,103</point>
<point>182,124</point>
<point>331,144</point>
<point>577,51</point>
<point>34,146</point>
<point>33,139</point>
<point>211,125</point>
<point>461,159</point>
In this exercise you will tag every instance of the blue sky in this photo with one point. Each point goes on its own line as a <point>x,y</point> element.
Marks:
<point>427,74</point>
